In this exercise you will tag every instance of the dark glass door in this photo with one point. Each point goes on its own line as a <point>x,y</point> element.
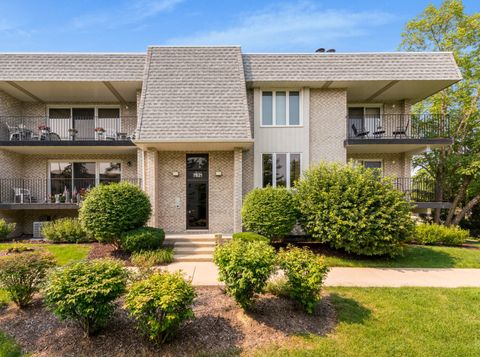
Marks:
<point>197,191</point>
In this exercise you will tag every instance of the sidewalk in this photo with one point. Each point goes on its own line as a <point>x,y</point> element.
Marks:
<point>205,274</point>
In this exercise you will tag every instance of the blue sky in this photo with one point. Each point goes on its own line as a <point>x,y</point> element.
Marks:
<point>258,26</point>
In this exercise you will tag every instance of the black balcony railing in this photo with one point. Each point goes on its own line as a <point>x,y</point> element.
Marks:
<point>90,128</point>
<point>55,190</point>
<point>416,189</point>
<point>398,126</point>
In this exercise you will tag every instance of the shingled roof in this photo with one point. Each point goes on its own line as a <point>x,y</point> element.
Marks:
<point>194,93</point>
<point>350,66</point>
<point>71,67</point>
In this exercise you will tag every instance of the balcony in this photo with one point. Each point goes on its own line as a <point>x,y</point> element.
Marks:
<point>419,191</point>
<point>411,131</point>
<point>79,131</point>
<point>58,193</point>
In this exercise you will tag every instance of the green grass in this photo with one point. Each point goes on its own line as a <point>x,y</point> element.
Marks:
<point>8,347</point>
<point>417,322</point>
<point>415,257</point>
<point>150,258</point>
<point>64,253</point>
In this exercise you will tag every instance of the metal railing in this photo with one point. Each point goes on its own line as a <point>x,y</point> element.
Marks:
<point>398,126</point>
<point>54,190</point>
<point>416,189</point>
<point>25,128</point>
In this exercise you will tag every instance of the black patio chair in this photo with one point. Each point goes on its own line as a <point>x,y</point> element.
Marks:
<point>359,134</point>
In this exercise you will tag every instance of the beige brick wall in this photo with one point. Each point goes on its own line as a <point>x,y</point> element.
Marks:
<point>395,164</point>
<point>328,112</point>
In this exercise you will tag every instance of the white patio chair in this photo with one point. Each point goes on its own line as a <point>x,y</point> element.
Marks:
<point>110,134</point>
<point>23,193</point>
<point>13,132</point>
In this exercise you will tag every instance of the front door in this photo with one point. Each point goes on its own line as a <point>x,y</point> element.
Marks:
<point>197,191</point>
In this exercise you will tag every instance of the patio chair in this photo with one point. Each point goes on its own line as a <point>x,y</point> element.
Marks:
<point>400,130</point>
<point>110,134</point>
<point>23,193</point>
<point>359,134</point>
<point>14,132</point>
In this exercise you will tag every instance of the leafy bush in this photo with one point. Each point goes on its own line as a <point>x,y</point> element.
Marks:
<point>244,267</point>
<point>6,229</point>
<point>144,238</point>
<point>305,272</point>
<point>351,208</point>
<point>22,275</point>
<point>438,234</point>
<point>65,230</point>
<point>150,258</point>
<point>269,211</point>
<point>85,292</point>
<point>250,237</point>
<point>160,304</point>
<point>110,210</point>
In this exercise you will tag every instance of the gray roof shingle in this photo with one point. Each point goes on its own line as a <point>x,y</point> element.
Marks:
<point>71,67</point>
<point>350,66</point>
<point>194,93</point>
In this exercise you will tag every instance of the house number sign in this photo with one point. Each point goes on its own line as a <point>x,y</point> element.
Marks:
<point>198,174</point>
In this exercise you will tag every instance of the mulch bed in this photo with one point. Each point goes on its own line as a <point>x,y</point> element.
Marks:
<point>219,327</point>
<point>100,251</point>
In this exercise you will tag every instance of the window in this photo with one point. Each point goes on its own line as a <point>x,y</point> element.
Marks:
<point>284,173</point>
<point>376,165</point>
<point>280,108</point>
<point>364,119</point>
<point>77,177</point>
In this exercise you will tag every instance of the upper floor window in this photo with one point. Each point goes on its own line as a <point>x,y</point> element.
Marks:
<point>280,108</point>
<point>280,169</point>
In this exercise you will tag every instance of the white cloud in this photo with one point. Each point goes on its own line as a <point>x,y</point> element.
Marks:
<point>280,28</point>
<point>126,13</point>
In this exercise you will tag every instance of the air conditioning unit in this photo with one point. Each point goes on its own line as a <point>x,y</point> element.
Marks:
<point>37,229</point>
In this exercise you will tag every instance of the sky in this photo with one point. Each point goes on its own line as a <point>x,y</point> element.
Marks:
<point>257,26</point>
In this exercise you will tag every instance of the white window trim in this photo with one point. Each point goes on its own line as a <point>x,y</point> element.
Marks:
<point>274,167</point>
<point>97,171</point>
<point>362,161</point>
<point>274,109</point>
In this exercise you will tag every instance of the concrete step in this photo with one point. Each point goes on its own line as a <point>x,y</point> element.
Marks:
<point>193,250</point>
<point>194,244</point>
<point>192,239</point>
<point>193,258</point>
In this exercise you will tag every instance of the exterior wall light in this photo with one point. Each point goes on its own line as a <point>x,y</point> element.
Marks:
<point>218,173</point>
<point>175,174</point>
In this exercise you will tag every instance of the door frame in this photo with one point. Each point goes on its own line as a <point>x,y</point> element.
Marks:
<point>207,206</point>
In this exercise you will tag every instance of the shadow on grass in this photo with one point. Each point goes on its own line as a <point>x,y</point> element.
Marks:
<point>349,310</point>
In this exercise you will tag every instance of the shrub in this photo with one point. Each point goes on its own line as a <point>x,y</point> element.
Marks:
<point>144,238</point>
<point>351,208</point>
<point>278,287</point>
<point>22,275</point>
<point>160,304</point>
<point>85,292</point>
<point>250,237</point>
<point>110,210</point>
<point>438,234</point>
<point>65,230</point>
<point>150,258</point>
<point>244,267</point>
<point>6,229</point>
<point>305,272</point>
<point>269,211</point>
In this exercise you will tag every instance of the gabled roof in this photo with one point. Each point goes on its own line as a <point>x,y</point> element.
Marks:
<point>72,66</point>
<point>193,93</point>
<point>350,66</point>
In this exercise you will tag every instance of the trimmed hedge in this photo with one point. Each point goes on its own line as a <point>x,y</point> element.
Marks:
<point>439,234</point>
<point>144,238</point>
<point>160,303</point>
<point>111,210</point>
<point>6,229</point>
<point>65,230</point>
<point>269,211</point>
<point>250,237</point>
<point>351,208</point>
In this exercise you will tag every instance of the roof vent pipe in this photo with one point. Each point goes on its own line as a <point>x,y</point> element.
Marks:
<point>320,50</point>
<point>331,50</point>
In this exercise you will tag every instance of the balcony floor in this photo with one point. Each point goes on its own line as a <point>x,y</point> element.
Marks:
<point>68,146</point>
<point>394,145</point>
<point>38,206</point>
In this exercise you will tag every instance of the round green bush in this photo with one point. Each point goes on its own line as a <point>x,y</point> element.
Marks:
<point>439,234</point>
<point>351,208</point>
<point>160,303</point>
<point>250,237</point>
<point>6,229</point>
<point>65,230</point>
<point>111,210</point>
<point>85,292</point>
<point>144,238</point>
<point>269,211</point>
<point>22,274</point>
<point>244,267</point>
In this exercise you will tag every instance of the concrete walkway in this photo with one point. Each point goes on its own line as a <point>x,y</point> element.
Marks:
<point>205,274</point>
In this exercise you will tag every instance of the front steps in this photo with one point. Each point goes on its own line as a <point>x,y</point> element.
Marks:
<point>191,247</point>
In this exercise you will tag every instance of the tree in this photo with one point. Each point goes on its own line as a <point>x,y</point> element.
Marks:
<point>455,169</point>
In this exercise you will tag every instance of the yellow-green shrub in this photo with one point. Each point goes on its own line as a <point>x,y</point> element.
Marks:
<point>439,234</point>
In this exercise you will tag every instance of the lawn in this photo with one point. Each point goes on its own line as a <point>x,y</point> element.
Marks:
<point>395,322</point>
<point>64,253</point>
<point>8,347</point>
<point>414,257</point>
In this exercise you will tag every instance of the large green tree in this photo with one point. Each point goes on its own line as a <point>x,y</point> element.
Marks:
<point>455,169</point>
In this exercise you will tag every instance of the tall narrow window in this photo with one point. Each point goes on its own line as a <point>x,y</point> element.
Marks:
<point>267,108</point>
<point>280,169</point>
<point>267,169</point>
<point>280,108</point>
<point>294,168</point>
<point>294,108</point>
